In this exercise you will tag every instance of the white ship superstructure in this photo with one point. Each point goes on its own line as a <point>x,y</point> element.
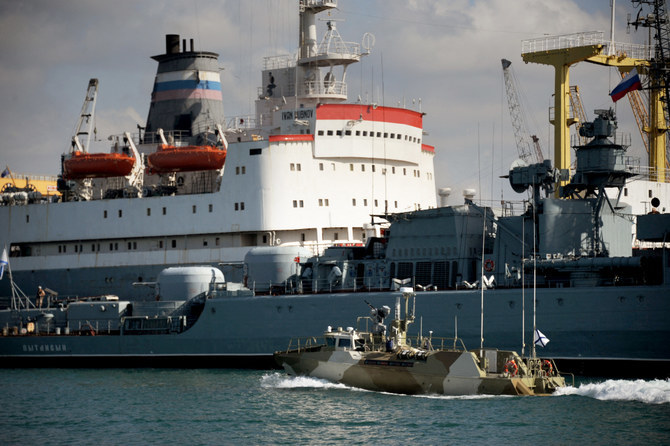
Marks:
<point>308,170</point>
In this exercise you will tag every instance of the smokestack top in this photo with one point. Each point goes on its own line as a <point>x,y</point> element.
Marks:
<point>171,43</point>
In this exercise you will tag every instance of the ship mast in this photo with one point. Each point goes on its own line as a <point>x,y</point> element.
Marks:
<point>331,52</point>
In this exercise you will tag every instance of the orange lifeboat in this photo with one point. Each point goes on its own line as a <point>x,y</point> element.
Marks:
<point>97,165</point>
<point>185,159</point>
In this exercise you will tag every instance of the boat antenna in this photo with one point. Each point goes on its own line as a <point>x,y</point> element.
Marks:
<point>523,286</point>
<point>481,284</point>
<point>481,275</point>
<point>534,274</point>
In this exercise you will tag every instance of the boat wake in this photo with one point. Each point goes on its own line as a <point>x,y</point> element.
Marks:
<point>280,381</point>
<point>651,392</point>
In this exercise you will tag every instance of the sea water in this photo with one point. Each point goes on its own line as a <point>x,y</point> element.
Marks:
<point>212,407</point>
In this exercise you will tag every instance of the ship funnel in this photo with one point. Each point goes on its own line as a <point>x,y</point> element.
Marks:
<point>171,43</point>
<point>186,98</point>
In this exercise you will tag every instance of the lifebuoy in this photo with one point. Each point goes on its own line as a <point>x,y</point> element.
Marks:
<point>548,367</point>
<point>511,368</point>
<point>489,265</point>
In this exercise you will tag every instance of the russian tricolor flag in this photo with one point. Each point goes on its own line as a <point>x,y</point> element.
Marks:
<point>629,83</point>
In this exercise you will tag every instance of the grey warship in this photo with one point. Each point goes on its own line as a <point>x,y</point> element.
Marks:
<point>604,305</point>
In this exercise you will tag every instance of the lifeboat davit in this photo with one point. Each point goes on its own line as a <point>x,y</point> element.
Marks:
<point>185,159</point>
<point>97,165</point>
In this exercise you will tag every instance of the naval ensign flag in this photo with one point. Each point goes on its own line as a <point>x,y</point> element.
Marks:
<point>629,83</point>
<point>540,339</point>
<point>4,261</point>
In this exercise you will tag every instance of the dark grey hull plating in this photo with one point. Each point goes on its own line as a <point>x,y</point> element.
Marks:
<point>604,331</point>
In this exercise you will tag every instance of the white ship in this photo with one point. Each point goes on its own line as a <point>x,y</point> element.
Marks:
<point>307,171</point>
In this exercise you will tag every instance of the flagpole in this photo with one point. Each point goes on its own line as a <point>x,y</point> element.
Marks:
<point>17,301</point>
<point>610,51</point>
<point>5,259</point>
<point>534,276</point>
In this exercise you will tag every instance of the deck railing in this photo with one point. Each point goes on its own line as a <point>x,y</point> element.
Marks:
<point>564,41</point>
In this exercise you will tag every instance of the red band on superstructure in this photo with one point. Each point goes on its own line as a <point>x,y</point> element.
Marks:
<point>353,112</point>
<point>275,138</point>
<point>427,148</point>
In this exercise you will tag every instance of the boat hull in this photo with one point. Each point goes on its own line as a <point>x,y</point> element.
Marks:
<point>630,341</point>
<point>441,372</point>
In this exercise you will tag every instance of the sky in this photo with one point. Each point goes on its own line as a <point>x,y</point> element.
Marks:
<point>441,56</point>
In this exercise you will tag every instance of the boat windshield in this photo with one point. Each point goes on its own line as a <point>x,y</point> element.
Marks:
<point>344,342</point>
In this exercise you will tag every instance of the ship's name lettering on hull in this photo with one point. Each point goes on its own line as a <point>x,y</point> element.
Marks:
<point>46,348</point>
<point>297,114</point>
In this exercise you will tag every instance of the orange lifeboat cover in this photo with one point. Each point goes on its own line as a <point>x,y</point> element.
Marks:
<point>97,165</point>
<point>186,159</point>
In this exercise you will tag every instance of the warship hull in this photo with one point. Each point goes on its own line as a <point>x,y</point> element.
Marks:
<point>596,331</point>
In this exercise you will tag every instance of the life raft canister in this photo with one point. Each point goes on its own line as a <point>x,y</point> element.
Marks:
<point>511,368</point>
<point>489,265</point>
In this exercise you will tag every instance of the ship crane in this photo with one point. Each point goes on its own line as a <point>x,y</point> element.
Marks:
<point>86,118</point>
<point>79,166</point>
<point>521,133</point>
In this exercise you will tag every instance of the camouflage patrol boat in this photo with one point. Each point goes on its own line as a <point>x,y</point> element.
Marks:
<point>369,359</point>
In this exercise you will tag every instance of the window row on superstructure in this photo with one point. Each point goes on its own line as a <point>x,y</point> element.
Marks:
<point>147,245</point>
<point>370,134</point>
<point>100,246</point>
<point>163,211</point>
<point>324,202</point>
<point>373,167</point>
